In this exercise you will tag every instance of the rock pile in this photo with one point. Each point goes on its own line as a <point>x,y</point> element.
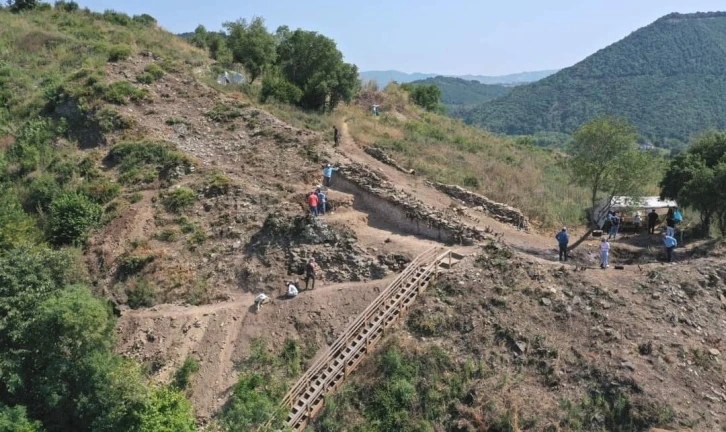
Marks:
<point>345,262</point>
<point>380,155</point>
<point>498,211</point>
<point>413,208</point>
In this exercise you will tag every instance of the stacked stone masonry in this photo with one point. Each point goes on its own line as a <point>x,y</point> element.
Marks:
<point>498,211</point>
<point>399,209</point>
<point>380,155</point>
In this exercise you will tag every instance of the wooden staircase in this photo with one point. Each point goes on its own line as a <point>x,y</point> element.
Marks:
<point>307,397</point>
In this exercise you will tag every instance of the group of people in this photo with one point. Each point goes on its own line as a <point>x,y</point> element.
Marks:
<point>317,199</point>
<point>292,288</point>
<point>614,221</point>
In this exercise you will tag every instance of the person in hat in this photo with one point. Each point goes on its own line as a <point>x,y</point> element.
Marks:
<point>328,174</point>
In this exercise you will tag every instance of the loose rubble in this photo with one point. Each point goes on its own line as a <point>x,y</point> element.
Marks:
<point>382,156</point>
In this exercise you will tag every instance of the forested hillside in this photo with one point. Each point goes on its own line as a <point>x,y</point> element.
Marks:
<point>666,78</point>
<point>457,93</point>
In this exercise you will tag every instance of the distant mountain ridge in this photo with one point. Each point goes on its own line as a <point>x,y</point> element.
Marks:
<point>667,78</point>
<point>384,77</point>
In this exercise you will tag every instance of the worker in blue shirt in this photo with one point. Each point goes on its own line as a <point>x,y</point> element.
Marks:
<point>563,239</point>
<point>670,244</point>
<point>327,174</point>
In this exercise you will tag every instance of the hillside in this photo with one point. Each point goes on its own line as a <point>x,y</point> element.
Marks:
<point>457,93</point>
<point>144,206</point>
<point>667,78</point>
<point>385,77</point>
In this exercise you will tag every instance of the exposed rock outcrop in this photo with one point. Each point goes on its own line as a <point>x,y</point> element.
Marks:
<point>382,156</point>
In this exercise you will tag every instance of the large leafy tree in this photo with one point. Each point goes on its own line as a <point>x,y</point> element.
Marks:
<point>313,63</point>
<point>252,45</point>
<point>697,179</point>
<point>604,158</point>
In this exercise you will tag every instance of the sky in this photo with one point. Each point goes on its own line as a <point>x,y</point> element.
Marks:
<point>455,37</point>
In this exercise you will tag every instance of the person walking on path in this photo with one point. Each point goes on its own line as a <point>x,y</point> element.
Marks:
<point>636,222</point>
<point>604,253</point>
<point>336,136</point>
<point>313,203</point>
<point>328,174</point>
<point>670,245</point>
<point>670,225</point>
<point>614,226</point>
<point>322,201</point>
<point>652,221</point>
<point>311,269</point>
<point>563,239</point>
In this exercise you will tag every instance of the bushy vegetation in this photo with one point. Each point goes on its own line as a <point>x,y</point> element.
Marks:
<point>179,199</point>
<point>407,389</point>
<point>457,93</point>
<point>183,375</point>
<point>665,78</point>
<point>59,370</point>
<point>138,161</point>
<point>300,67</point>
<point>697,179</point>
<point>152,73</point>
<point>427,96</point>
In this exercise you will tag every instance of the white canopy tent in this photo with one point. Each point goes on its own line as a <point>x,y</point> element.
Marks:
<point>632,204</point>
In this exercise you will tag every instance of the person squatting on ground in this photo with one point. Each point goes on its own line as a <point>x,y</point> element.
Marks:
<point>260,300</point>
<point>313,203</point>
<point>311,270</point>
<point>670,245</point>
<point>336,136</point>
<point>563,239</point>
<point>604,253</point>
<point>636,222</point>
<point>652,221</point>
<point>328,174</point>
<point>322,201</point>
<point>292,289</point>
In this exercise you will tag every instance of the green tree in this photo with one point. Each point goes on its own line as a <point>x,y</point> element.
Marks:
<point>167,411</point>
<point>697,179</point>
<point>22,5</point>
<point>604,158</point>
<point>251,45</point>
<point>312,63</point>
<point>72,215</point>
<point>199,38</point>
<point>15,419</point>
<point>426,96</point>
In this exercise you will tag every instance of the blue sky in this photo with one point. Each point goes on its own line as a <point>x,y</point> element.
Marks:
<point>455,37</point>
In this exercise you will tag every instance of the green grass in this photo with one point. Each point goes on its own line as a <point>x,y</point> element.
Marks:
<point>137,161</point>
<point>445,150</point>
<point>184,374</point>
<point>152,73</point>
<point>179,199</point>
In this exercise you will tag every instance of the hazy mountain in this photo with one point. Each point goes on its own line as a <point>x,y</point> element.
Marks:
<point>384,77</point>
<point>668,78</point>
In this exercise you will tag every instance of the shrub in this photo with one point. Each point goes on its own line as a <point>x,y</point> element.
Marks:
<point>470,181</point>
<point>110,120</point>
<point>135,197</point>
<point>16,419</point>
<point>118,53</point>
<point>279,89</point>
<point>145,20</point>
<point>179,199</point>
<point>120,92</point>
<point>183,375</point>
<point>65,6</point>
<point>198,294</point>
<point>41,192</point>
<point>141,295</point>
<point>222,113</point>
<point>152,73</point>
<point>130,264</point>
<point>171,121</point>
<point>133,160</point>
<point>118,18</point>
<point>218,183</point>
<point>166,235</point>
<point>100,191</point>
<point>71,217</point>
